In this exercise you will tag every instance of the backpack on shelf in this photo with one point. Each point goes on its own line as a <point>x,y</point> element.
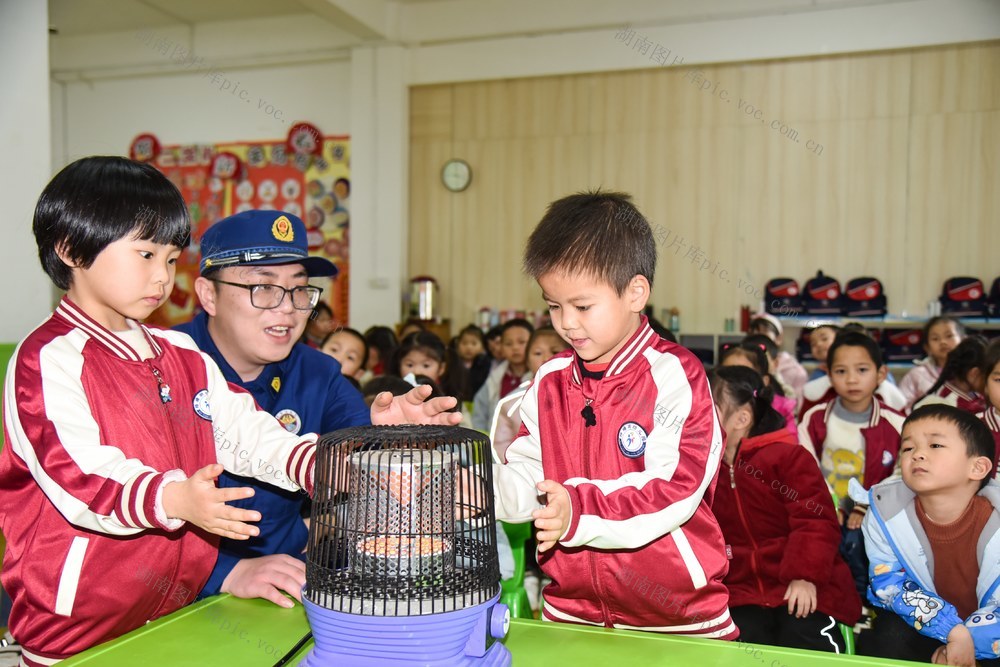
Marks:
<point>993,301</point>
<point>963,296</point>
<point>902,345</point>
<point>823,296</point>
<point>865,297</point>
<point>782,297</point>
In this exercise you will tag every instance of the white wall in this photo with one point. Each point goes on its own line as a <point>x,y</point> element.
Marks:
<point>24,143</point>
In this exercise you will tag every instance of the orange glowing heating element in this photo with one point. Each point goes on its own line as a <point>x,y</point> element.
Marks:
<point>402,547</point>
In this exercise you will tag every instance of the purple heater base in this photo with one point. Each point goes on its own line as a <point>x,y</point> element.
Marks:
<point>462,638</point>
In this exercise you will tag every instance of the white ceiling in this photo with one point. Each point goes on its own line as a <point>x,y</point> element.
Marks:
<point>421,21</point>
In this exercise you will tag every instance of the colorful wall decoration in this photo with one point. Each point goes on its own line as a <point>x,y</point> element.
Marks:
<point>307,175</point>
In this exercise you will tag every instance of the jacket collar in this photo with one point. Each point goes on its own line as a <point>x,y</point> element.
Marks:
<point>992,419</point>
<point>642,338</point>
<point>756,442</point>
<point>76,317</point>
<point>958,392</point>
<point>872,422</point>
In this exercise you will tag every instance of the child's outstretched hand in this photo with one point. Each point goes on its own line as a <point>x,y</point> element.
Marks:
<point>553,519</point>
<point>854,519</point>
<point>197,500</point>
<point>801,596</point>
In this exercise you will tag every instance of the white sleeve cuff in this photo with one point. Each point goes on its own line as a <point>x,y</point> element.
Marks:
<point>161,514</point>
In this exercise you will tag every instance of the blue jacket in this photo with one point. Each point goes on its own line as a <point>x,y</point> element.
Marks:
<point>308,394</point>
<point>901,559</point>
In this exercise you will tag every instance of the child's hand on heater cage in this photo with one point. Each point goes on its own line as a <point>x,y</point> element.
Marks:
<point>266,577</point>
<point>197,500</point>
<point>553,519</point>
<point>801,596</point>
<point>413,408</point>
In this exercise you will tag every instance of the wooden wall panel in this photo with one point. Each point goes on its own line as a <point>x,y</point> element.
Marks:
<point>888,167</point>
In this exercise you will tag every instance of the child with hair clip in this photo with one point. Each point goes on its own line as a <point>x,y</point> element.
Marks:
<point>991,376</point>
<point>961,379</point>
<point>940,336</point>
<point>788,585</point>
<point>423,353</point>
<point>754,355</point>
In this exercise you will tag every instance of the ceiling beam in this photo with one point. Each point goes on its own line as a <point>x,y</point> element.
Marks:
<point>368,19</point>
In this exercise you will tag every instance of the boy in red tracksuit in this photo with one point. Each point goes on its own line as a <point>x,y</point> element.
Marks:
<point>116,432</point>
<point>619,435</point>
<point>788,585</point>
<point>855,435</point>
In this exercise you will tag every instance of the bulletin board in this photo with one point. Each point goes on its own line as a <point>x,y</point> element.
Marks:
<point>218,180</point>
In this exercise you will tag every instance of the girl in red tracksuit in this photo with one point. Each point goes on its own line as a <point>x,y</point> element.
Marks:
<point>788,585</point>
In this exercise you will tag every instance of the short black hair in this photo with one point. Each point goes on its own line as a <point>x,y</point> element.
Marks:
<point>98,200</point>
<point>601,234</point>
<point>516,323</point>
<point>738,386</point>
<point>975,433</point>
<point>353,332</point>
<point>941,319</point>
<point>854,339</point>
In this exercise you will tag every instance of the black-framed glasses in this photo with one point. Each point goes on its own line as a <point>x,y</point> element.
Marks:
<point>267,297</point>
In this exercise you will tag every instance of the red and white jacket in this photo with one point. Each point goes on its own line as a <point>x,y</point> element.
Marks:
<point>881,438</point>
<point>93,434</point>
<point>643,550</point>
<point>776,514</point>
<point>951,395</point>
<point>991,417</point>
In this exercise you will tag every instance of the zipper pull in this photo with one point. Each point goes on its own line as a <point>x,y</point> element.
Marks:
<point>732,475</point>
<point>164,387</point>
<point>589,418</point>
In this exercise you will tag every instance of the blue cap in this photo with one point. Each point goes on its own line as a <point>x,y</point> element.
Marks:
<point>254,238</point>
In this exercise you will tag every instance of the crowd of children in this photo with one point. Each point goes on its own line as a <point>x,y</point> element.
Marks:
<point>756,501</point>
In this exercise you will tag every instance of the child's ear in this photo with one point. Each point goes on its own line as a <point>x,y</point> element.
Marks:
<point>637,292</point>
<point>883,373</point>
<point>981,467</point>
<point>205,289</point>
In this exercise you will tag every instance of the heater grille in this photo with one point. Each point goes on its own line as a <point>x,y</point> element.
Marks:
<point>402,521</point>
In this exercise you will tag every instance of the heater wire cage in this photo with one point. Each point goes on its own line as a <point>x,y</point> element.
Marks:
<point>402,521</point>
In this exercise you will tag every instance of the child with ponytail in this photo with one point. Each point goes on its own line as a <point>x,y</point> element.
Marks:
<point>961,379</point>
<point>788,585</point>
<point>753,354</point>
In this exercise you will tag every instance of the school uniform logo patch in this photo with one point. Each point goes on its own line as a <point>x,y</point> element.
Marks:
<point>290,420</point>
<point>632,440</point>
<point>201,406</point>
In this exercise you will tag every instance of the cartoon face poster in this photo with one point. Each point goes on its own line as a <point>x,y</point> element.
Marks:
<point>219,180</point>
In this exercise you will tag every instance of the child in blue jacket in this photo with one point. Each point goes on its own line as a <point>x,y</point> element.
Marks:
<point>933,542</point>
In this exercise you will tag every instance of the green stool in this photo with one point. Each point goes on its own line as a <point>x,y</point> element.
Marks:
<point>512,591</point>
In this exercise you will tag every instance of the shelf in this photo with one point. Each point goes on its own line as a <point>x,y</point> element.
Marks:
<point>889,321</point>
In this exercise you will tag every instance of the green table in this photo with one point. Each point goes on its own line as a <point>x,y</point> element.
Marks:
<point>228,631</point>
